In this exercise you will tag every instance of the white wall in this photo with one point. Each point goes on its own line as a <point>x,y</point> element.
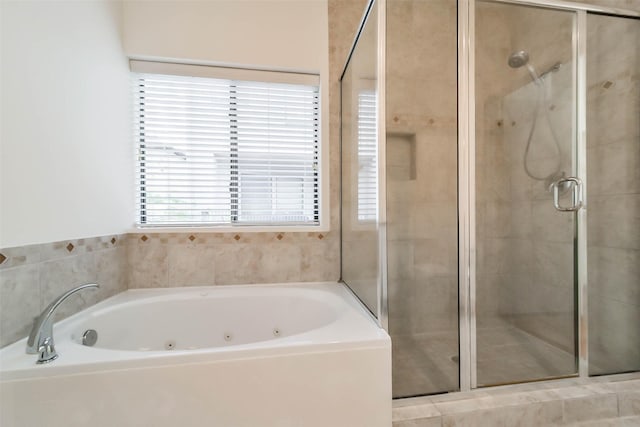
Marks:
<point>288,35</point>
<point>273,33</point>
<point>65,153</point>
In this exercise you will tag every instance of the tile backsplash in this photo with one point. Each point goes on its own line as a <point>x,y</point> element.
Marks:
<point>32,276</point>
<point>184,259</point>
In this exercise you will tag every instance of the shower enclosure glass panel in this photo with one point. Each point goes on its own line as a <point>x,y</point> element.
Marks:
<point>359,151</point>
<point>613,172</point>
<point>525,226</point>
<point>421,196</point>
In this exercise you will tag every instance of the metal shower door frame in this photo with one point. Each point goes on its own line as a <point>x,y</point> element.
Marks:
<point>466,175</point>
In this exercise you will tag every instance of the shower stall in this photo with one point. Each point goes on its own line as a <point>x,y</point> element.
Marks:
<point>491,188</point>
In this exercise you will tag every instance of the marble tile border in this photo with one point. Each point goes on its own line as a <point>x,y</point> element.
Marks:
<point>151,237</point>
<point>549,403</point>
<point>34,254</point>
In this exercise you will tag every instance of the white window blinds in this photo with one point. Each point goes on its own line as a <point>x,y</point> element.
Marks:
<point>224,151</point>
<point>367,157</point>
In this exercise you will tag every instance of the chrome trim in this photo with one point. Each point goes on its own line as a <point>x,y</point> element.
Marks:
<point>581,215</point>
<point>576,192</point>
<point>363,21</point>
<point>383,302</point>
<point>341,183</point>
<point>466,178</point>
<point>472,196</point>
<point>559,4</point>
<point>40,339</point>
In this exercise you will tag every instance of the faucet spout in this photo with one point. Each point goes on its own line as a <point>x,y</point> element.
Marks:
<point>40,339</point>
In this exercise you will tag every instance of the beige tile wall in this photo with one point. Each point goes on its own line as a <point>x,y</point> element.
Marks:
<point>32,276</point>
<point>421,146</point>
<point>421,167</point>
<point>204,259</point>
<point>613,178</point>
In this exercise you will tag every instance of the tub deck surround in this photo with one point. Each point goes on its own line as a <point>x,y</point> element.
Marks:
<point>289,354</point>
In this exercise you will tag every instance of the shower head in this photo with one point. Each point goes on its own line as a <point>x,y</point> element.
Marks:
<point>521,59</point>
<point>518,59</point>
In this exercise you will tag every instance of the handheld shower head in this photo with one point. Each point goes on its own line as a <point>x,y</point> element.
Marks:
<point>518,59</point>
<point>521,59</point>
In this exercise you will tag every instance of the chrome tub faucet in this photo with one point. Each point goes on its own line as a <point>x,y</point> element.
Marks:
<point>40,339</point>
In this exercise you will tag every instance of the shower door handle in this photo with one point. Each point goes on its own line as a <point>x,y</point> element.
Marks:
<point>576,192</point>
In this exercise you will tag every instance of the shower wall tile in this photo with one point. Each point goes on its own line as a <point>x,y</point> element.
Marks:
<point>494,219</point>
<point>521,257</point>
<point>493,256</point>
<point>622,157</point>
<point>553,263</point>
<point>433,220</point>
<point>32,276</point>
<point>488,292</point>
<point>522,221</point>
<point>614,221</point>
<point>615,110</point>
<point>609,349</point>
<point>435,257</point>
<point>436,157</point>
<point>401,260</point>
<point>614,272</point>
<point>422,194</point>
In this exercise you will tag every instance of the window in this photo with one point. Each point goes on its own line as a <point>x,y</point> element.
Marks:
<point>224,150</point>
<point>367,157</point>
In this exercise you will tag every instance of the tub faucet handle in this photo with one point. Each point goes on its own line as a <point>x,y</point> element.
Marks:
<point>40,339</point>
<point>47,352</point>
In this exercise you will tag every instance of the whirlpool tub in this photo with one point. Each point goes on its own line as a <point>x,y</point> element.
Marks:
<point>230,356</point>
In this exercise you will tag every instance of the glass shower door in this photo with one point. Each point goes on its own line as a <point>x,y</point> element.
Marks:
<point>360,225</point>
<point>526,193</point>
<point>421,195</point>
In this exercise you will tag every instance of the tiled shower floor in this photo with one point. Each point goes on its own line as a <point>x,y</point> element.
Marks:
<point>428,363</point>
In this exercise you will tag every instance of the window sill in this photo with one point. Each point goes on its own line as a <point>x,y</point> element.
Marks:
<point>234,229</point>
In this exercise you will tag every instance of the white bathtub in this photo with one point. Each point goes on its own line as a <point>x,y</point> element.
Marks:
<point>229,356</point>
